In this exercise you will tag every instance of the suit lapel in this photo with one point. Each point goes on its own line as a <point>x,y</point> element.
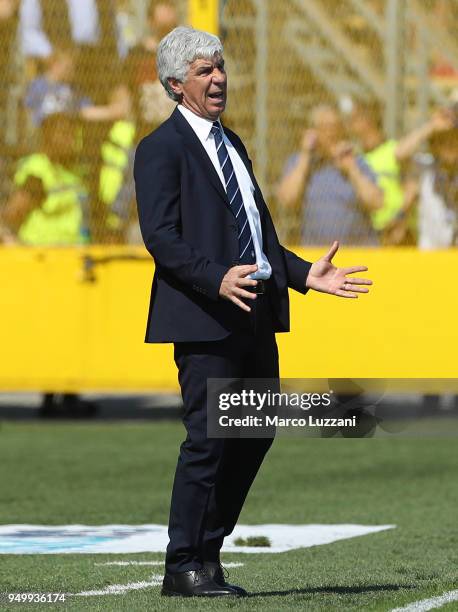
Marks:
<point>200,154</point>
<point>195,146</point>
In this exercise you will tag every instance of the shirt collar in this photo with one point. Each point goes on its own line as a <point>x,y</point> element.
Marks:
<point>200,125</point>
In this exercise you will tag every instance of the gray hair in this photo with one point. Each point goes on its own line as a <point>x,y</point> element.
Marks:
<point>178,50</point>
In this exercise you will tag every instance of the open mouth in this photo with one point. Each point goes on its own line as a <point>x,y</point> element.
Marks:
<point>219,95</point>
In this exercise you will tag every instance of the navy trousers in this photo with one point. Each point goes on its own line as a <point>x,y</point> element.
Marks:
<point>213,476</point>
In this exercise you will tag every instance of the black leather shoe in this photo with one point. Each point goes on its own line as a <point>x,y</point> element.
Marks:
<point>195,583</point>
<point>216,571</point>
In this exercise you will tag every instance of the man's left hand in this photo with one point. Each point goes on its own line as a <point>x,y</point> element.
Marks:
<point>325,277</point>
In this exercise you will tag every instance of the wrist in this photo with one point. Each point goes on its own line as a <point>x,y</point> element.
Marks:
<point>304,157</point>
<point>308,281</point>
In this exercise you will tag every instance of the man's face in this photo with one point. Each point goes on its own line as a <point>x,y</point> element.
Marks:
<point>329,130</point>
<point>359,125</point>
<point>63,67</point>
<point>205,90</point>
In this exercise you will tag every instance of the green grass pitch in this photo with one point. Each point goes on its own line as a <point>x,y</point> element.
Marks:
<point>62,473</point>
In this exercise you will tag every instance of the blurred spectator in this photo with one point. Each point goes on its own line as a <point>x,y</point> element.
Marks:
<point>116,153</point>
<point>118,105</point>
<point>438,193</point>
<point>337,189</point>
<point>162,18</point>
<point>49,23</point>
<point>125,207</point>
<point>366,125</point>
<point>151,103</point>
<point>137,103</point>
<point>445,18</point>
<point>46,206</point>
<point>45,23</point>
<point>53,92</point>
<point>8,31</point>
<point>110,130</point>
<point>385,158</point>
<point>125,22</point>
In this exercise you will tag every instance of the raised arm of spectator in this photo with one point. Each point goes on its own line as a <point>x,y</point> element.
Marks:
<point>119,107</point>
<point>367,191</point>
<point>441,121</point>
<point>292,185</point>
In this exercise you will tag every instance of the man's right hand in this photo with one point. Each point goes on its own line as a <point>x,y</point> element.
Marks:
<point>233,283</point>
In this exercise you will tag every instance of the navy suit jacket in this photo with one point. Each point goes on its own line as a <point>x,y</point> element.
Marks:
<point>190,230</point>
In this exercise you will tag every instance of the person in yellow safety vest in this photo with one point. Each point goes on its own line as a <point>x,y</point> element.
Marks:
<point>115,152</point>
<point>46,209</point>
<point>394,219</point>
<point>46,206</point>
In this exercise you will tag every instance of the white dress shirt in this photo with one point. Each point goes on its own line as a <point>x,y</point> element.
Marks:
<point>202,128</point>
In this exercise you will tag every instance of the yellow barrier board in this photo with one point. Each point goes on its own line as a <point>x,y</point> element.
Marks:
<point>74,319</point>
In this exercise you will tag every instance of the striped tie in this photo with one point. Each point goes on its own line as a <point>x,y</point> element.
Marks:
<point>246,246</point>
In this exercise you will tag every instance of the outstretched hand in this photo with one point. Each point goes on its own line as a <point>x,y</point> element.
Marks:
<point>325,277</point>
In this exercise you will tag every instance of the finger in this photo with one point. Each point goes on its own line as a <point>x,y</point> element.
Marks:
<point>357,288</point>
<point>360,281</point>
<point>345,294</point>
<point>244,282</point>
<point>240,304</point>
<point>244,294</point>
<point>245,270</point>
<point>353,269</point>
<point>332,251</point>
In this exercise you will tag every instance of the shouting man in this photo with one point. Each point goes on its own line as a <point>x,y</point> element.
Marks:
<point>220,293</point>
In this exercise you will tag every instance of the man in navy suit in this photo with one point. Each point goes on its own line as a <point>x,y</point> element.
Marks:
<point>220,292</point>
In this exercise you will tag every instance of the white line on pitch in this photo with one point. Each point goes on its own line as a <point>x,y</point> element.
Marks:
<point>119,589</point>
<point>429,604</point>
<point>124,563</point>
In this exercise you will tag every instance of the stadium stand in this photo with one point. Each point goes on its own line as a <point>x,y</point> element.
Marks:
<point>95,61</point>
